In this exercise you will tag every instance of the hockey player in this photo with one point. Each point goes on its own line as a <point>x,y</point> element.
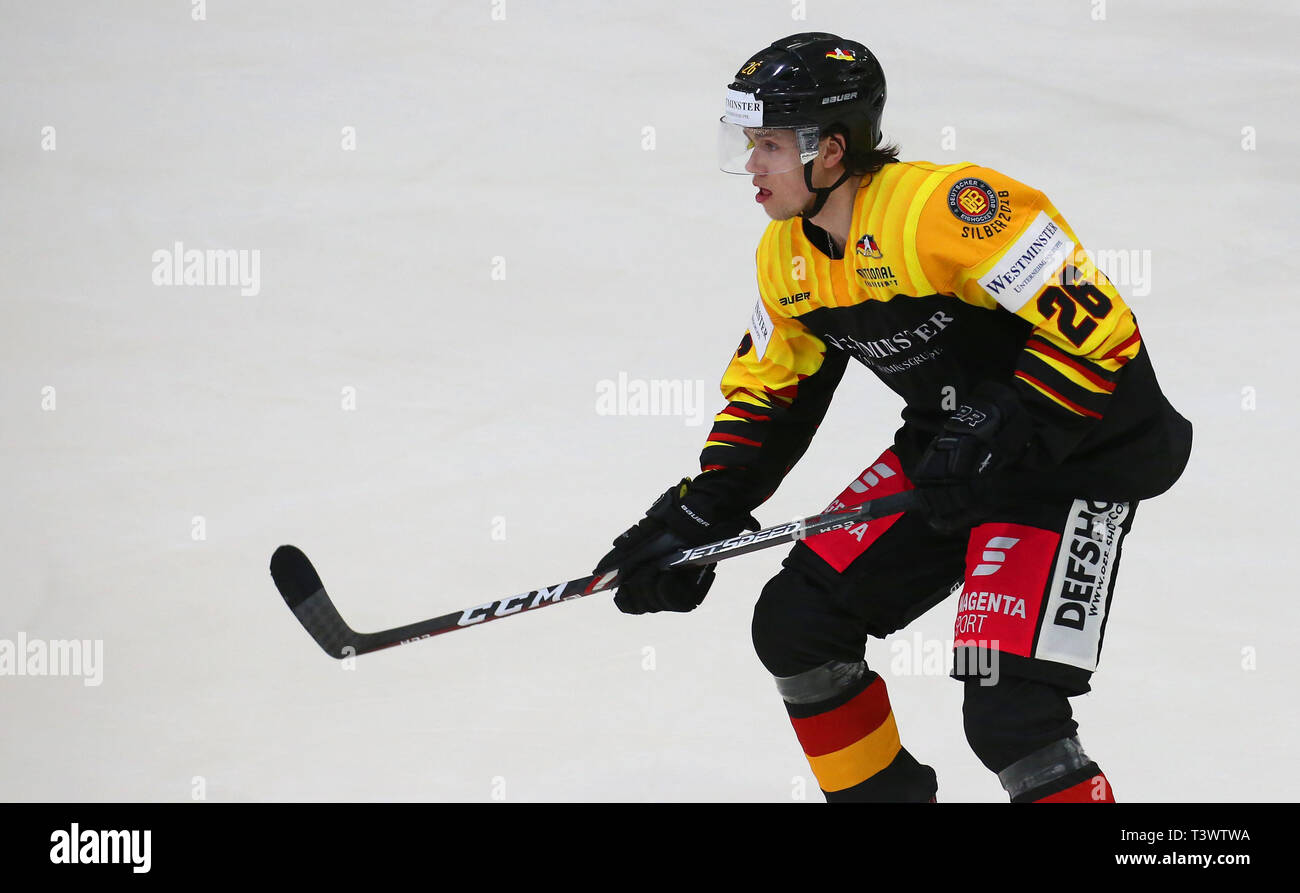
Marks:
<point>1033,426</point>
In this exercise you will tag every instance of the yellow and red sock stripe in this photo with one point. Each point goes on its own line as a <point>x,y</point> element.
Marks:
<point>848,743</point>
<point>1086,785</point>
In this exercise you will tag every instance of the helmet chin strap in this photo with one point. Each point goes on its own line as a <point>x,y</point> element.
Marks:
<point>820,194</point>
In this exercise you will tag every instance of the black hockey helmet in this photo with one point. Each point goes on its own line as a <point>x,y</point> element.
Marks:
<point>808,83</point>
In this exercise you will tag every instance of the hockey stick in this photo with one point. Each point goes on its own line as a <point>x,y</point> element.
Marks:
<point>305,595</point>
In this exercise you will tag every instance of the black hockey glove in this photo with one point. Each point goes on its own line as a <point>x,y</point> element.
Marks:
<point>988,433</point>
<point>679,519</point>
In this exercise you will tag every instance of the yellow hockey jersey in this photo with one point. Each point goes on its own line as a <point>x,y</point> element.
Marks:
<point>952,275</point>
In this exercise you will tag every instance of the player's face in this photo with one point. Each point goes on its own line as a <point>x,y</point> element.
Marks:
<point>777,172</point>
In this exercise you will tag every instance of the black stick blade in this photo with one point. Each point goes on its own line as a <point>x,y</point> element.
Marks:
<point>303,592</point>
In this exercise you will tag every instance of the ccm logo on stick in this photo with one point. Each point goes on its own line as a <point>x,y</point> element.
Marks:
<point>500,608</point>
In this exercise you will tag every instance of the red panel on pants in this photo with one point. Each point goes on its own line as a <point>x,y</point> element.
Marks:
<point>839,548</point>
<point>1007,566</point>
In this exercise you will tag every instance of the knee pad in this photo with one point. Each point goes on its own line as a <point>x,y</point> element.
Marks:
<point>1014,718</point>
<point>766,629</point>
<point>1059,772</point>
<point>798,626</point>
<point>822,684</point>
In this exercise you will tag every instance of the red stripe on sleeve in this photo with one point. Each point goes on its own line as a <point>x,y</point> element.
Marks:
<point>745,414</point>
<point>1123,346</point>
<point>733,438</point>
<point>1068,404</point>
<point>1048,351</point>
<point>757,398</point>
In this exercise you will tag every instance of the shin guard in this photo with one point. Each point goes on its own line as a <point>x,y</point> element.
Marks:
<point>1058,773</point>
<point>841,715</point>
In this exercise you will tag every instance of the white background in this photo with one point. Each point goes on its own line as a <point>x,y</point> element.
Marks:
<point>522,139</point>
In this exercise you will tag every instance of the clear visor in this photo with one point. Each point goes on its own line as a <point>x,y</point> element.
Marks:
<point>765,150</point>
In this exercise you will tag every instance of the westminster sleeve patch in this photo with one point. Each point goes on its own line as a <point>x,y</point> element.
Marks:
<point>1028,264</point>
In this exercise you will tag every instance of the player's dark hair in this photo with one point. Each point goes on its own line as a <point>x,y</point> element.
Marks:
<point>861,162</point>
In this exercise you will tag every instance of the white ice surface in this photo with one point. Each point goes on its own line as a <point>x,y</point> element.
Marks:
<point>475,397</point>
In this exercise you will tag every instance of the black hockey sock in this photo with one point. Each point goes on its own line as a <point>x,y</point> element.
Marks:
<point>850,737</point>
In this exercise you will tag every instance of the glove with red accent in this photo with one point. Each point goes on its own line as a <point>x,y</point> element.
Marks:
<point>988,433</point>
<point>681,518</point>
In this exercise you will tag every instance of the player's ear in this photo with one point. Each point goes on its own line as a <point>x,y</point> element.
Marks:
<point>833,149</point>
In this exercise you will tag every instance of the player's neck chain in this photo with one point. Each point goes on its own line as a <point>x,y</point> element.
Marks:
<point>825,243</point>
